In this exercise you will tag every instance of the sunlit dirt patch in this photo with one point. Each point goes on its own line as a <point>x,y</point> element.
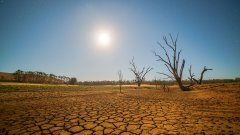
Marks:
<point>209,109</point>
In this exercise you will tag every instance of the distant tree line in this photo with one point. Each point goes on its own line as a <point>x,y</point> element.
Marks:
<point>153,82</point>
<point>42,77</point>
<point>97,82</point>
<point>188,82</point>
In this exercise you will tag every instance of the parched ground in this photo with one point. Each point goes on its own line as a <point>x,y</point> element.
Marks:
<point>208,109</point>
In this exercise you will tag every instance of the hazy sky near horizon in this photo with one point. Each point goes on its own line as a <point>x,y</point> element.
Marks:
<point>59,36</point>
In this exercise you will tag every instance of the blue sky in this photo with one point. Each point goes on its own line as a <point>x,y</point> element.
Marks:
<point>59,36</point>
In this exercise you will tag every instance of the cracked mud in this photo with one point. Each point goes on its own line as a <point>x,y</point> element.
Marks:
<point>208,109</point>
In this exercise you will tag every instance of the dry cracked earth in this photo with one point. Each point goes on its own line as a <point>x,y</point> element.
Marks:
<point>208,109</point>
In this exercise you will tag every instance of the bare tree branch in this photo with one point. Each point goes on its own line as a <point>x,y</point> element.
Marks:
<point>148,70</point>
<point>169,76</point>
<point>196,80</point>
<point>166,42</point>
<point>169,69</point>
<point>202,73</point>
<point>161,59</point>
<point>191,75</point>
<point>182,67</point>
<point>172,39</point>
<point>176,39</point>
<point>169,62</point>
<point>177,61</point>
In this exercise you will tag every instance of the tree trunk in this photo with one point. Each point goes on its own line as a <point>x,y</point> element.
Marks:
<point>183,88</point>
<point>139,84</point>
<point>120,86</point>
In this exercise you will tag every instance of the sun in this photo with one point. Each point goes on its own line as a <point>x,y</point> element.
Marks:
<point>104,39</point>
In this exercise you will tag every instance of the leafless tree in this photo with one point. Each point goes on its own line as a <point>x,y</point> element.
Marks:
<point>139,75</point>
<point>202,73</point>
<point>120,80</point>
<point>165,87</point>
<point>191,75</point>
<point>172,63</point>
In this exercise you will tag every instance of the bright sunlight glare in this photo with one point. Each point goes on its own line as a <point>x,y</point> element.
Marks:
<point>104,39</point>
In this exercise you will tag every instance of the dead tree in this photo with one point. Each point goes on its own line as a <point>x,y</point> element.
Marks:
<point>202,73</point>
<point>191,75</point>
<point>120,80</point>
<point>165,87</point>
<point>172,63</point>
<point>139,75</point>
